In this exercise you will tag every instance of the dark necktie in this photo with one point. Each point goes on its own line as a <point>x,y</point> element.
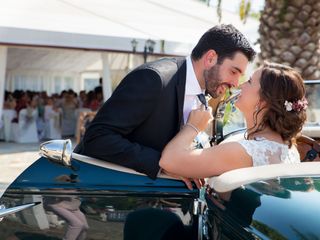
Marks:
<point>203,100</point>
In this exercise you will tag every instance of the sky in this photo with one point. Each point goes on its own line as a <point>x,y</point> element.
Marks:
<point>233,5</point>
<point>250,28</point>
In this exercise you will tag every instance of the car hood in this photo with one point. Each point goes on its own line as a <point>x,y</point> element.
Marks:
<point>284,208</point>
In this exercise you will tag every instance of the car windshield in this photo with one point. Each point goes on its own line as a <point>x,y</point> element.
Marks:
<point>235,120</point>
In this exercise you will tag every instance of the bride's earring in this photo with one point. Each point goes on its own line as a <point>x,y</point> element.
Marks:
<point>257,108</point>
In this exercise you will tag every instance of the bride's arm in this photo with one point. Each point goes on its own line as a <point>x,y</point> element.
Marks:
<point>180,159</point>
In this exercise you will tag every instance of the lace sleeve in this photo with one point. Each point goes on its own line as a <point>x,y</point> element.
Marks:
<point>257,153</point>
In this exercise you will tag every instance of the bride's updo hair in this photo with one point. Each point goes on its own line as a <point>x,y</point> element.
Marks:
<point>283,90</point>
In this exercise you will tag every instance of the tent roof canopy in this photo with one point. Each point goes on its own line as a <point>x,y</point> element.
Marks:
<point>175,25</point>
<point>48,59</point>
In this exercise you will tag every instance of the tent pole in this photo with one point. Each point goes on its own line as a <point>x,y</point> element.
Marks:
<point>3,63</point>
<point>106,78</point>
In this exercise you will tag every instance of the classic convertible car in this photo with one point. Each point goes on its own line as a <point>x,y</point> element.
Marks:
<point>64,195</point>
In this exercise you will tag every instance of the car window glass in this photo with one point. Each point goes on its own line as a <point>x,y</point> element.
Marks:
<point>313,111</point>
<point>233,121</point>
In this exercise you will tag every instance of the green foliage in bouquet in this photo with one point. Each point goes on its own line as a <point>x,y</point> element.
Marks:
<point>227,113</point>
<point>228,109</point>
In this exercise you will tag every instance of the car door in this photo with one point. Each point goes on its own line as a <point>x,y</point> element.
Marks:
<point>88,201</point>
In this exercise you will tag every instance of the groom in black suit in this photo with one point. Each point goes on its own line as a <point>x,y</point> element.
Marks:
<point>152,102</point>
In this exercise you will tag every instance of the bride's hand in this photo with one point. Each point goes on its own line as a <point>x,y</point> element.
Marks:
<point>200,118</point>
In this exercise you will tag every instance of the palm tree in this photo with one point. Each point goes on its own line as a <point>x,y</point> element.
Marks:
<point>290,32</point>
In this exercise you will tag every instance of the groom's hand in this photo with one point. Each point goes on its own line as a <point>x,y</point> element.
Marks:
<point>188,181</point>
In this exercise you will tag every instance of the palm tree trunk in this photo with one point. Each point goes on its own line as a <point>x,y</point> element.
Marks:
<point>289,34</point>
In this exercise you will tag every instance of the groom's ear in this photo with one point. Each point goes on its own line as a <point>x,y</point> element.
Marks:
<point>210,59</point>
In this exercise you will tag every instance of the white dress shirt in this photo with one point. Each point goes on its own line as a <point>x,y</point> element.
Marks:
<point>192,89</point>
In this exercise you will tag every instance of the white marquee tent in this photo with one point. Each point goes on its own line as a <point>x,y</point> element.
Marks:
<point>52,39</point>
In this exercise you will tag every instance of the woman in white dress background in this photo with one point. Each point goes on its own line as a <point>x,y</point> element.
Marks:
<point>274,106</point>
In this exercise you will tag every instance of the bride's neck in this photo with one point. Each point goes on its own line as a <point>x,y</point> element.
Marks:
<point>252,124</point>
<point>261,133</point>
<point>266,132</point>
<point>252,127</point>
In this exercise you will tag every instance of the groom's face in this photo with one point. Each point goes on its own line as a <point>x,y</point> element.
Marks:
<point>225,75</point>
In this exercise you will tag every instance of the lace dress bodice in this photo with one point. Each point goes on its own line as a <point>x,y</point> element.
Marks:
<point>264,152</point>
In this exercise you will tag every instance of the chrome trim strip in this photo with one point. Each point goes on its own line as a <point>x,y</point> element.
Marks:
<point>7,211</point>
<point>112,166</point>
<point>311,81</point>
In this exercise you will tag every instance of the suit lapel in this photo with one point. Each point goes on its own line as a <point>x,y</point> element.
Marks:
<point>180,88</point>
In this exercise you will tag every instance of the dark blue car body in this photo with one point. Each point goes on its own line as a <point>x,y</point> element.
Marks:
<point>101,202</point>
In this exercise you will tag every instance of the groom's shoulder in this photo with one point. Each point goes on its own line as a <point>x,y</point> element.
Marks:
<point>162,64</point>
<point>165,66</point>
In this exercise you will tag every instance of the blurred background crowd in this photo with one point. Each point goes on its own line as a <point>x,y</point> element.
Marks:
<point>52,116</point>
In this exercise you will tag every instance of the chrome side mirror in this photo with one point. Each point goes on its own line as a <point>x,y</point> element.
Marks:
<point>58,151</point>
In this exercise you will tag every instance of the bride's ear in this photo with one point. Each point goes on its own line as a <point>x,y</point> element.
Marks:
<point>260,105</point>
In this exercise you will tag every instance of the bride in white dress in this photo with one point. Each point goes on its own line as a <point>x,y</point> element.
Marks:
<point>274,107</point>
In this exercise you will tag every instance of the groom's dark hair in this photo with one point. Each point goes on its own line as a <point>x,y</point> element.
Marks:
<point>226,40</point>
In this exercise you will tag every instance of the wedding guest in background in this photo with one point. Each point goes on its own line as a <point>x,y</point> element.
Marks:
<point>52,116</point>
<point>82,99</point>
<point>68,114</point>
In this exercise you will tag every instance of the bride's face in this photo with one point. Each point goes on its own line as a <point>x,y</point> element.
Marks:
<point>249,97</point>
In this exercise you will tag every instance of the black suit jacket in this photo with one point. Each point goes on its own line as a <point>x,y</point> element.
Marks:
<point>143,114</point>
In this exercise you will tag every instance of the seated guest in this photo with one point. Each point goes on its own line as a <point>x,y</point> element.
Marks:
<point>52,120</point>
